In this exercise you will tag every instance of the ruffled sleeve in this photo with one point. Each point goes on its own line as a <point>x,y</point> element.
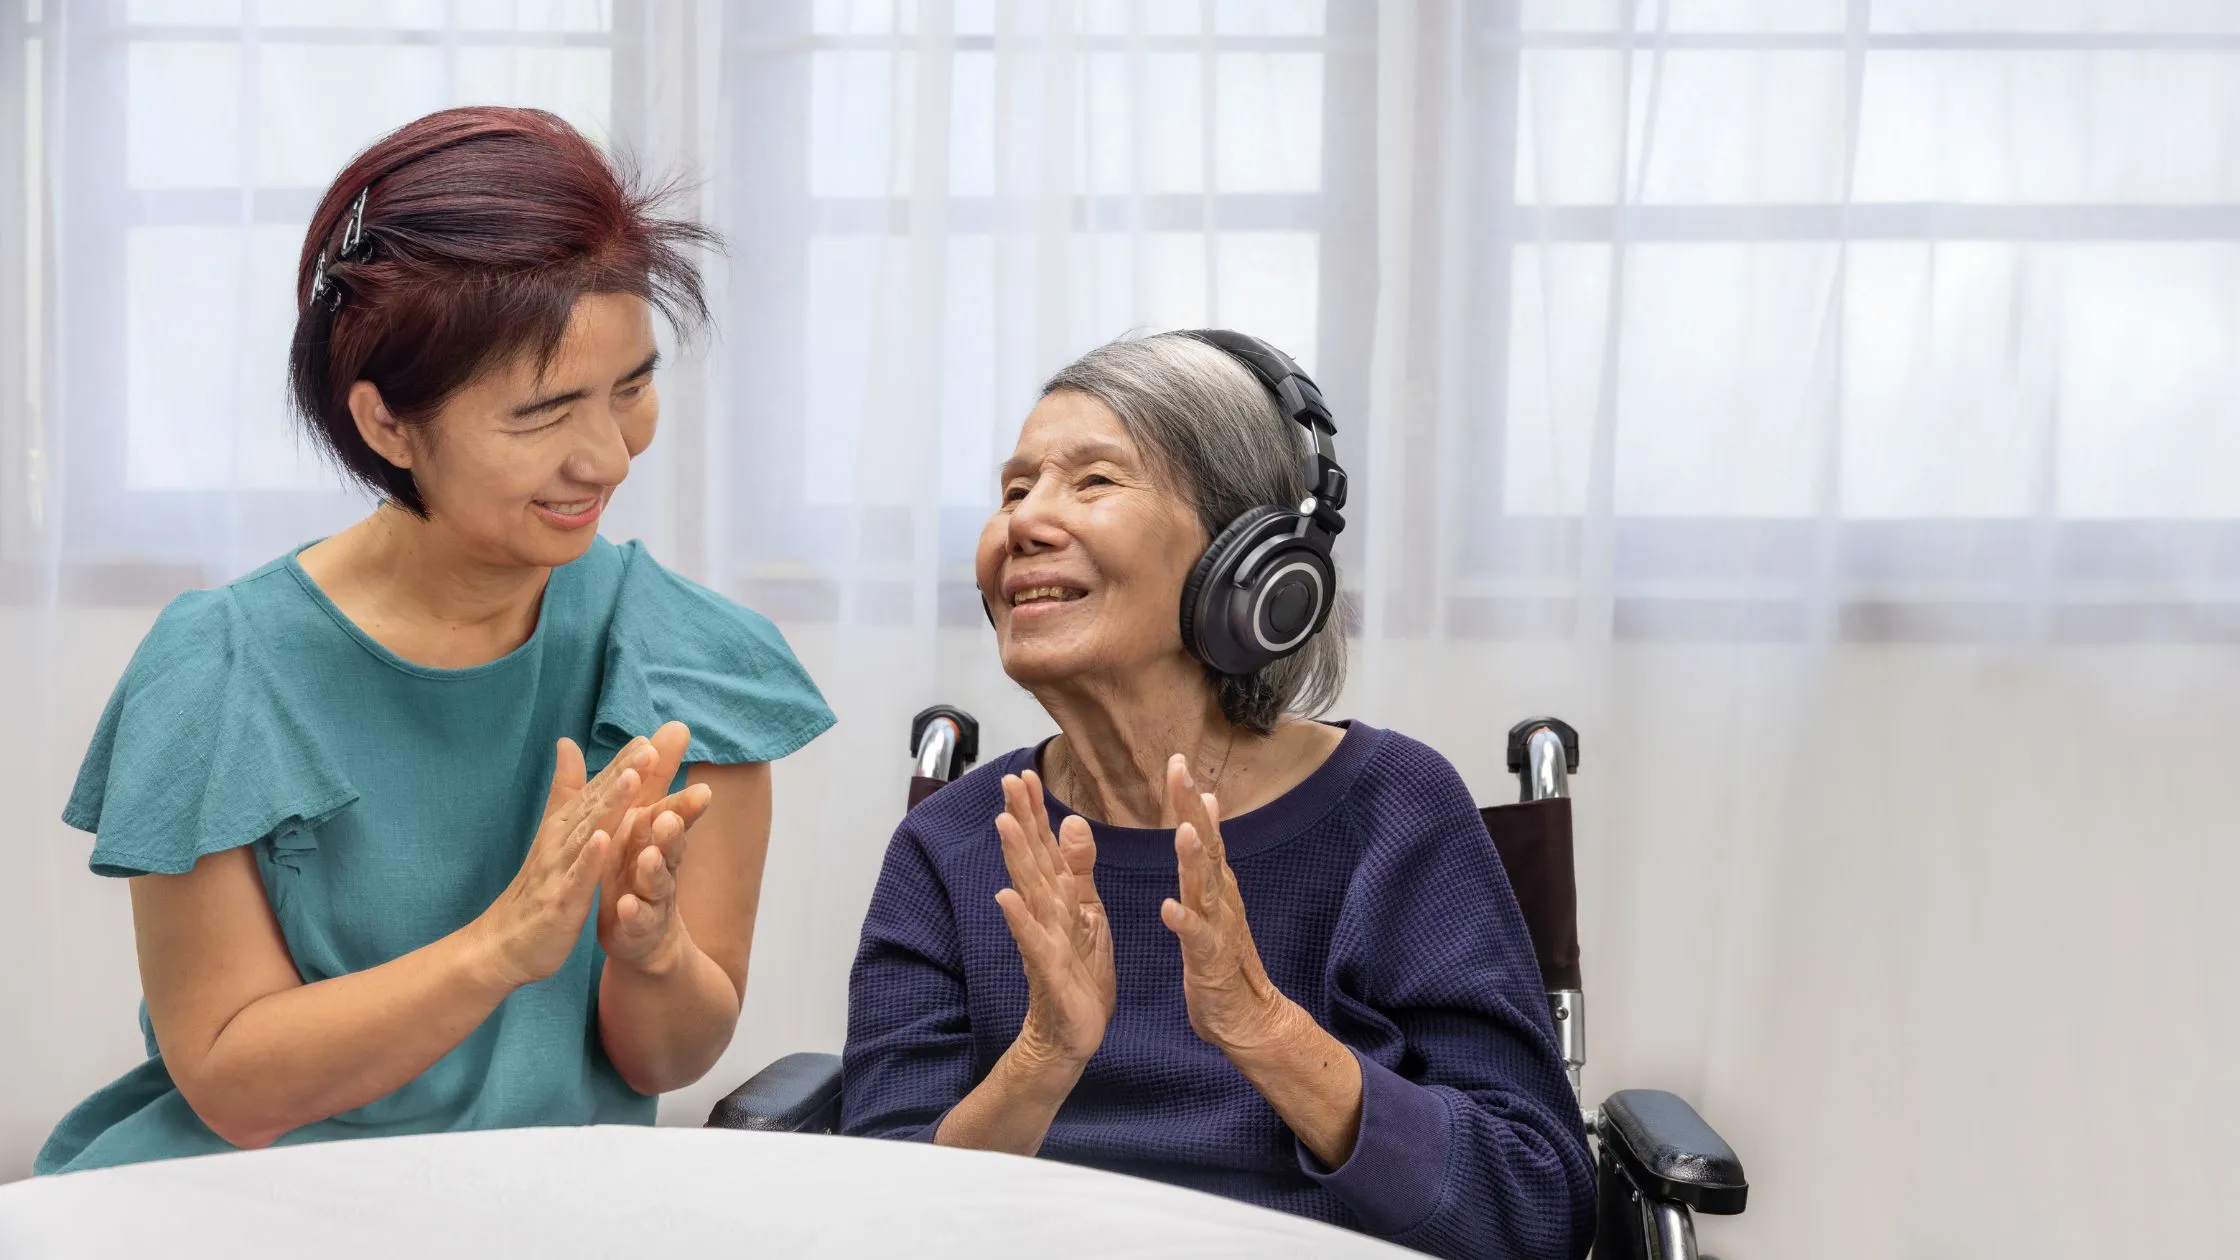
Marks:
<point>677,651</point>
<point>200,750</point>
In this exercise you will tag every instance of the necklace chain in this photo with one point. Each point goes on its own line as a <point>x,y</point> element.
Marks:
<point>1071,772</point>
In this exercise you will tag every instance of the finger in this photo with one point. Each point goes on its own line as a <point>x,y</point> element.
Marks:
<point>1038,829</point>
<point>670,744</point>
<point>1031,783</point>
<point>687,805</point>
<point>1209,828</point>
<point>1078,845</point>
<point>593,794</point>
<point>590,863</point>
<point>567,774</point>
<point>1200,943</point>
<point>1030,870</point>
<point>1189,866</point>
<point>669,837</point>
<point>1018,862</point>
<point>604,810</point>
<point>655,883</point>
<point>1026,931</point>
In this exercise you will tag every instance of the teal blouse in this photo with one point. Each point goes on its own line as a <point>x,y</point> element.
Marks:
<point>388,804</point>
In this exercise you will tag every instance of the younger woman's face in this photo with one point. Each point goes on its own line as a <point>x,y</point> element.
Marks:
<point>519,465</point>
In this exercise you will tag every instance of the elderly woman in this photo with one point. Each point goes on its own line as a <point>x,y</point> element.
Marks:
<point>1199,936</point>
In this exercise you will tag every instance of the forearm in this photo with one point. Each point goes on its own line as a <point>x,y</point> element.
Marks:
<point>1012,1108</point>
<point>303,1054</point>
<point>664,1025</point>
<point>1310,1078</point>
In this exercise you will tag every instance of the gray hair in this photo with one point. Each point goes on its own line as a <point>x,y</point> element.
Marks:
<point>1213,430</point>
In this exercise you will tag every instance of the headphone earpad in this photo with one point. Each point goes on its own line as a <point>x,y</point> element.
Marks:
<point>1222,556</point>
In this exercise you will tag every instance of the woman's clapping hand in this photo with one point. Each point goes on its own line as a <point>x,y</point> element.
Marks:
<point>1233,1005</point>
<point>535,923</point>
<point>1059,924</point>
<point>638,921</point>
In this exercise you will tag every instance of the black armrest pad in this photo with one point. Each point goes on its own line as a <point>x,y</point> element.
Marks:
<point>799,1093</point>
<point>1671,1153</point>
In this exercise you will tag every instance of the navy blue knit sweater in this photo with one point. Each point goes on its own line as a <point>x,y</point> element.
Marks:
<point>1377,903</point>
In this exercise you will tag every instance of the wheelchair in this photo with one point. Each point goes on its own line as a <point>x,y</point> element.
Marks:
<point>1658,1164</point>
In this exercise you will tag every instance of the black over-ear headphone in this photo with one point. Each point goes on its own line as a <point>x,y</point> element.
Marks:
<point>1266,582</point>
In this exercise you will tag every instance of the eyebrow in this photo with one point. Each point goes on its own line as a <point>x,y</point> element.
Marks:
<point>558,401</point>
<point>1089,452</point>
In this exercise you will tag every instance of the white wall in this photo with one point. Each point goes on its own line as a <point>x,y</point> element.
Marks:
<point>1938,937</point>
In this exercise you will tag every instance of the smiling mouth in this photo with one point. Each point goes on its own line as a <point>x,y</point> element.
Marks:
<point>576,508</point>
<point>1045,595</point>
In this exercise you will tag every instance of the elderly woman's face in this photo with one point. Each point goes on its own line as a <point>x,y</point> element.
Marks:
<point>1082,564</point>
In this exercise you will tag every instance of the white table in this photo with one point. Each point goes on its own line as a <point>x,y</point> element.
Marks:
<point>637,1194</point>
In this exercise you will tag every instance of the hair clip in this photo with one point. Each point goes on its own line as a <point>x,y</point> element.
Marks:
<point>324,291</point>
<point>356,245</point>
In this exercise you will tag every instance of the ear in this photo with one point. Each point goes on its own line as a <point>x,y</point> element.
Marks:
<point>377,427</point>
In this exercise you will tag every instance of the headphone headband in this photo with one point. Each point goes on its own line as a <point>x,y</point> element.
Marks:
<point>1300,400</point>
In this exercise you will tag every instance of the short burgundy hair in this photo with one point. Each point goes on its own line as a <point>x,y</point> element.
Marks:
<point>483,226</point>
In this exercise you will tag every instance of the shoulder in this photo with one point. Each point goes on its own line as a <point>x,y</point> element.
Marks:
<point>675,649</point>
<point>206,628</point>
<point>1404,764</point>
<point>647,593</point>
<point>1406,794</point>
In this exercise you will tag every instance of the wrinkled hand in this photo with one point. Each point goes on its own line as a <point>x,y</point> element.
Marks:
<point>638,921</point>
<point>1058,922</point>
<point>1233,1005</point>
<point>534,924</point>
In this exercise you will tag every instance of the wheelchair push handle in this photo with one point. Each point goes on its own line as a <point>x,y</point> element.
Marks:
<point>946,742</point>
<point>1543,754</point>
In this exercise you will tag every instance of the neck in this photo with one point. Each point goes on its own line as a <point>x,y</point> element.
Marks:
<point>1110,758</point>
<point>424,593</point>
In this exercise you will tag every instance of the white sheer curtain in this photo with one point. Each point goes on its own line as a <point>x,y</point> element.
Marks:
<point>1827,406</point>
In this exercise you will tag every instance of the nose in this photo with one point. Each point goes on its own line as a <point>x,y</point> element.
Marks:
<point>602,454</point>
<point>1036,522</point>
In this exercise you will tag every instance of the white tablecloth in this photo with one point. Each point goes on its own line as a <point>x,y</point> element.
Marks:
<point>636,1194</point>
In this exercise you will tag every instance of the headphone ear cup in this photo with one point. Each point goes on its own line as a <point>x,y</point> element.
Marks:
<point>1205,631</point>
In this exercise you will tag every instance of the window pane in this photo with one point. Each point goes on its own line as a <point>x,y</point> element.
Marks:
<point>396,15</point>
<point>1571,122</point>
<point>975,417</point>
<point>1160,17</point>
<point>303,148</point>
<point>2055,15</point>
<point>1268,17</point>
<point>2149,391</point>
<point>208,314</point>
<point>1720,391</point>
<point>1729,126</point>
<point>864,17</point>
<point>1559,320</point>
<point>1944,379</point>
<point>575,83</point>
<point>184,12</point>
<point>2036,126</point>
<point>1267,286</point>
<point>859,122</point>
<point>972,124</point>
<point>1168,110</point>
<point>1268,112</point>
<point>183,123</point>
<point>1745,16</point>
<point>1161,284</point>
<point>535,15</point>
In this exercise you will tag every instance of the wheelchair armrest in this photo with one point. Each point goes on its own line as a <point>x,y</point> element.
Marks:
<point>1670,1153</point>
<point>799,1093</point>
